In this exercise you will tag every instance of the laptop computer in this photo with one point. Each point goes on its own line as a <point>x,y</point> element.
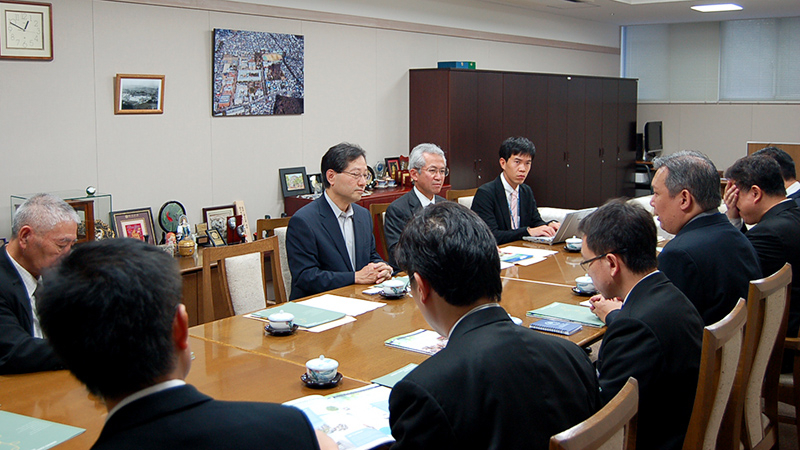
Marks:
<point>568,228</point>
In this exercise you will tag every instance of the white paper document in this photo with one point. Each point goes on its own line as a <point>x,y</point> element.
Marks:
<point>344,305</point>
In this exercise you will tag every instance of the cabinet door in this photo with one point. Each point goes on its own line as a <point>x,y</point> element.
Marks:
<point>428,108</point>
<point>489,126</point>
<point>626,155</point>
<point>463,130</point>
<point>574,182</point>
<point>556,149</point>
<point>610,183</point>
<point>595,171</point>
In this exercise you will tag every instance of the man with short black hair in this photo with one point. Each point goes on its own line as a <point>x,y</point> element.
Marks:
<point>507,204</point>
<point>709,260</point>
<point>112,311</point>
<point>756,194</point>
<point>788,172</point>
<point>654,332</point>
<point>496,385</point>
<point>427,167</point>
<point>329,242</point>
<point>44,229</point>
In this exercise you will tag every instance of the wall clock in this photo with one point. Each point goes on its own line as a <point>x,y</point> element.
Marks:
<point>27,30</point>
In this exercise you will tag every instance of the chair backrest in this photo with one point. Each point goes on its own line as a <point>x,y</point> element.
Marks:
<point>759,367</point>
<point>377,210</point>
<point>241,271</point>
<point>722,345</point>
<point>266,227</point>
<point>454,194</point>
<point>613,427</point>
<point>280,232</point>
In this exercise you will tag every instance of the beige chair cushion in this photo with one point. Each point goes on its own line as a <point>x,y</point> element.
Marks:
<point>287,274</point>
<point>466,201</point>
<point>246,283</point>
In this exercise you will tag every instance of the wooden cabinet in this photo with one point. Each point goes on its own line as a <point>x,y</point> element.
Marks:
<point>583,129</point>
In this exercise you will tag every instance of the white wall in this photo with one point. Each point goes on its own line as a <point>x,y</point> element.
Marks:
<point>58,130</point>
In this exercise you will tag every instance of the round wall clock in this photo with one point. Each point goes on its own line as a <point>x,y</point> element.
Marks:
<point>26,30</point>
<point>169,214</point>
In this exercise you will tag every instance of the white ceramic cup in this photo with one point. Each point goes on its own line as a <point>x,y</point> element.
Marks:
<point>394,287</point>
<point>585,284</point>
<point>322,369</point>
<point>574,243</point>
<point>281,321</point>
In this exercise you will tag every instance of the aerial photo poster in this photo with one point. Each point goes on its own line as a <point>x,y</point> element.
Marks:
<point>257,73</point>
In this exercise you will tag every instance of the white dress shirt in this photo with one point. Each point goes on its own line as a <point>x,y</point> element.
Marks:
<point>345,219</point>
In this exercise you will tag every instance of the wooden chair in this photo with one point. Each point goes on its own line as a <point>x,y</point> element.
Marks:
<point>266,227</point>
<point>613,427</point>
<point>454,194</point>
<point>789,384</point>
<point>241,269</point>
<point>722,345</point>
<point>751,418</point>
<point>377,211</point>
<point>280,233</point>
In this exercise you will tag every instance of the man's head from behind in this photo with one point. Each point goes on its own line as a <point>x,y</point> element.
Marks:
<point>109,311</point>
<point>452,248</point>
<point>44,229</point>
<point>685,184</point>
<point>786,163</point>
<point>760,185</point>
<point>516,158</point>
<point>428,168</point>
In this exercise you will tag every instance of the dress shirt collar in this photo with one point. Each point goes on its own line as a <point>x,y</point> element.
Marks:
<point>424,201</point>
<point>471,311</point>
<point>710,212</point>
<point>336,211</point>
<point>507,187</point>
<point>27,279</point>
<point>144,393</point>
<point>637,283</point>
<point>794,187</point>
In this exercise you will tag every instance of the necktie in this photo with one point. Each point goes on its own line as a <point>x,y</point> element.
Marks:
<point>514,210</point>
<point>37,329</point>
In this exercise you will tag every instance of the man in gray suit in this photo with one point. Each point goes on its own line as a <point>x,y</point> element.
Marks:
<point>428,169</point>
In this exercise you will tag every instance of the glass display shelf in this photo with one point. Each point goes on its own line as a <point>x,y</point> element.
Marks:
<point>96,207</point>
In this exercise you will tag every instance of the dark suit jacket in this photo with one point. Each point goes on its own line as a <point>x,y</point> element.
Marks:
<point>316,250</point>
<point>776,239</point>
<point>495,386</point>
<point>711,262</point>
<point>20,352</point>
<point>656,338</point>
<point>397,216</point>
<point>491,204</point>
<point>183,418</point>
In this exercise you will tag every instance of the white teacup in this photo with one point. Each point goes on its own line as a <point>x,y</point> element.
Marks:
<point>574,243</point>
<point>394,287</point>
<point>322,369</point>
<point>281,321</point>
<point>585,284</point>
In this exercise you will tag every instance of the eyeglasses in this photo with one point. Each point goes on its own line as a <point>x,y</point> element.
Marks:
<point>356,175</point>
<point>585,264</point>
<point>433,171</point>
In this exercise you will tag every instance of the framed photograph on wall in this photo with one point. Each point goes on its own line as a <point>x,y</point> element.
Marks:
<point>293,181</point>
<point>134,223</point>
<point>138,94</point>
<point>216,216</point>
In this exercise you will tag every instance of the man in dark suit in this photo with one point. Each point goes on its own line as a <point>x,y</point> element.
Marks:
<point>112,311</point>
<point>428,169</point>
<point>44,229</point>
<point>654,332</point>
<point>496,385</point>
<point>507,204</point>
<point>329,242</point>
<point>709,260</point>
<point>756,194</point>
<point>788,172</point>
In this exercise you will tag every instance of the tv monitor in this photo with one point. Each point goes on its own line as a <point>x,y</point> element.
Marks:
<point>652,136</point>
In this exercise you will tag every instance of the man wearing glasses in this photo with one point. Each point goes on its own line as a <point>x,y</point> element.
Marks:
<point>428,169</point>
<point>329,242</point>
<point>654,332</point>
<point>506,204</point>
<point>44,229</point>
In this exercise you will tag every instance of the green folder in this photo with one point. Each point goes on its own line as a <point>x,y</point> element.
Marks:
<point>304,316</point>
<point>389,380</point>
<point>29,433</point>
<point>574,313</point>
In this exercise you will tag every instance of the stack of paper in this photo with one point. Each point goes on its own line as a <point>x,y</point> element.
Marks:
<point>23,432</point>
<point>420,341</point>
<point>573,313</point>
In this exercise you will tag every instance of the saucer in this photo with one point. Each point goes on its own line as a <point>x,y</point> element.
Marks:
<point>581,293</point>
<point>320,385</point>
<point>392,297</point>
<point>273,332</point>
<point>571,250</point>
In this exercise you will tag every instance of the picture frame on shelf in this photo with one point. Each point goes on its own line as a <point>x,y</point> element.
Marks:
<point>134,223</point>
<point>26,30</point>
<point>85,210</point>
<point>217,216</point>
<point>138,94</point>
<point>315,184</point>
<point>393,167</point>
<point>215,238</point>
<point>293,181</point>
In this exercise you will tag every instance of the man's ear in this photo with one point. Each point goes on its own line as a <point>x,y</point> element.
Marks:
<point>423,287</point>
<point>25,233</point>
<point>180,328</point>
<point>614,264</point>
<point>756,193</point>
<point>686,200</point>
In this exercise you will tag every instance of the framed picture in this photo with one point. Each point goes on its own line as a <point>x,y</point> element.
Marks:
<point>315,183</point>
<point>293,181</point>
<point>26,30</point>
<point>138,94</point>
<point>134,223</point>
<point>392,167</point>
<point>85,210</point>
<point>215,238</point>
<point>216,216</point>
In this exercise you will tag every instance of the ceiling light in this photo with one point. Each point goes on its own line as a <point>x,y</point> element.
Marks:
<point>717,8</point>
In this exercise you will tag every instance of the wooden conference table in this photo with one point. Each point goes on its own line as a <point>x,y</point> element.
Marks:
<point>235,360</point>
